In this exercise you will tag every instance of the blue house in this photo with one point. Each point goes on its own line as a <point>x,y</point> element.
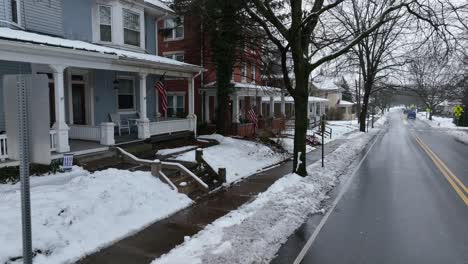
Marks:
<point>100,58</point>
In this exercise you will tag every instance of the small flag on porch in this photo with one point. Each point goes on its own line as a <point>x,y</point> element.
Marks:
<point>252,116</point>
<point>67,162</point>
<point>160,87</point>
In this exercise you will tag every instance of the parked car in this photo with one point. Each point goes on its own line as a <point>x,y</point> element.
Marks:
<point>411,115</point>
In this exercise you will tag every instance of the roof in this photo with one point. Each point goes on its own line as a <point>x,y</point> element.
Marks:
<point>326,83</point>
<point>249,86</point>
<point>159,4</point>
<point>291,99</point>
<point>345,103</point>
<point>44,40</point>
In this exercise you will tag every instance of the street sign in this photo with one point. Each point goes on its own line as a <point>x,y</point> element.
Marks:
<point>457,111</point>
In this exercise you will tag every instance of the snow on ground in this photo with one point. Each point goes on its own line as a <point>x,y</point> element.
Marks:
<point>165,152</point>
<point>288,144</point>
<point>81,214</point>
<point>241,158</point>
<point>255,232</point>
<point>446,123</point>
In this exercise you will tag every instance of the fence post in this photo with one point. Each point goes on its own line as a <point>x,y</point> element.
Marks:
<point>199,155</point>
<point>156,168</point>
<point>222,174</point>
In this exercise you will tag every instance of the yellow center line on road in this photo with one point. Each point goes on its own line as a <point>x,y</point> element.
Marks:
<point>449,176</point>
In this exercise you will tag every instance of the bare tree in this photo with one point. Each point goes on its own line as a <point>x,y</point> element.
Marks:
<point>307,32</point>
<point>434,77</point>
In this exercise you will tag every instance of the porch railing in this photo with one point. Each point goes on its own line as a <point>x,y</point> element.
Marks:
<point>91,133</point>
<point>53,140</point>
<point>3,147</point>
<point>171,126</point>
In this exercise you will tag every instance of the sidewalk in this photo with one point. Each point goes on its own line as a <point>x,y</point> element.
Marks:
<point>160,237</point>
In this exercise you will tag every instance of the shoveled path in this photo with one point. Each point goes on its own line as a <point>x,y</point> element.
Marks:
<point>160,237</point>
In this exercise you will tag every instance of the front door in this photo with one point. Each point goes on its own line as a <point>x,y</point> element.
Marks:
<point>79,104</point>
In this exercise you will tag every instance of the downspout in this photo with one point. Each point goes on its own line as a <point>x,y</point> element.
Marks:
<point>193,98</point>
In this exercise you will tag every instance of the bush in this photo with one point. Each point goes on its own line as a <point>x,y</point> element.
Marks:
<point>11,174</point>
<point>335,113</point>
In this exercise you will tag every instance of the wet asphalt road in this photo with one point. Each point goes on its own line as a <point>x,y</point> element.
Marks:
<point>399,208</point>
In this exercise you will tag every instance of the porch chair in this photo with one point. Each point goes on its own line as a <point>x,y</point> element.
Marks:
<point>120,124</point>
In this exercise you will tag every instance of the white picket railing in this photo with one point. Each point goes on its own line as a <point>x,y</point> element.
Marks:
<point>3,147</point>
<point>53,140</point>
<point>91,133</point>
<point>171,126</point>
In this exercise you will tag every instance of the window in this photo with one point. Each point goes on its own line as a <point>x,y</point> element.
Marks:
<point>105,23</point>
<point>131,28</point>
<point>126,94</point>
<point>175,106</point>
<point>252,72</point>
<point>179,56</point>
<point>175,27</point>
<point>14,11</point>
<point>244,72</point>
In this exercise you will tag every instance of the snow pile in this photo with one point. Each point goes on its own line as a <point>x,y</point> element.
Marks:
<point>437,121</point>
<point>165,152</point>
<point>241,158</point>
<point>86,213</point>
<point>461,136</point>
<point>255,232</point>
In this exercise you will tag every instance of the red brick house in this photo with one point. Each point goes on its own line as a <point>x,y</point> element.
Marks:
<point>187,43</point>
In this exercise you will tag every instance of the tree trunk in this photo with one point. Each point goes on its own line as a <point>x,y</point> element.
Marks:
<point>365,106</point>
<point>221,124</point>
<point>430,115</point>
<point>300,134</point>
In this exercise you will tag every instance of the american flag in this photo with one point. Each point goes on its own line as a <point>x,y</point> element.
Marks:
<point>159,86</point>
<point>252,116</point>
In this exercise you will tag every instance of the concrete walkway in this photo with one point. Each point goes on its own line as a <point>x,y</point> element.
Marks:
<point>160,237</point>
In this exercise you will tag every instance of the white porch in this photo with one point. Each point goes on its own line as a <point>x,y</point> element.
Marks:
<point>61,61</point>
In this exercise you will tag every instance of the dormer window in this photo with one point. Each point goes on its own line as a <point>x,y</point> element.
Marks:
<point>15,11</point>
<point>131,28</point>
<point>105,23</point>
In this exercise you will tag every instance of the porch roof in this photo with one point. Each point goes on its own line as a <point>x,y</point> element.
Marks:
<point>14,40</point>
<point>343,103</point>
<point>290,99</point>
<point>251,89</point>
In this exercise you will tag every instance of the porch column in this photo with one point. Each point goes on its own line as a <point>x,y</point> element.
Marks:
<point>283,106</point>
<point>308,108</point>
<point>259,109</point>
<point>235,108</point>
<point>143,122</point>
<point>60,126</point>
<point>191,98</point>
<point>272,106</point>
<point>207,108</point>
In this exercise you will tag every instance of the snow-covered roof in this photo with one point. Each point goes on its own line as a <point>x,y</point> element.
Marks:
<point>255,86</point>
<point>290,99</point>
<point>34,38</point>
<point>326,83</point>
<point>159,4</point>
<point>345,103</point>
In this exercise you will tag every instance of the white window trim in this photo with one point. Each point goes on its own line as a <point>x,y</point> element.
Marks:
<point>174,100</point>
<point>173,38</point>
<point>172,53</point>
<point>99,23</point>
<point>117,24</point>
<point>129,110</point>
<point>125,9</point>
<point>253,72</point>
<point>244,73</point>
<point>18,13</point>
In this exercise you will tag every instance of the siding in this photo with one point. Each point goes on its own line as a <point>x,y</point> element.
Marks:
<point>3,10</point>
<point>77,21</point>
<point>7,67</point>
<point>44,16</point>
<point>150,29</point>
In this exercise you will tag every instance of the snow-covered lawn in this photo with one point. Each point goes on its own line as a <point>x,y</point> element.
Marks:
<point>255,232</point>
<point>78,213</point>
<point>288,144</point>
<point>241,158</point>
